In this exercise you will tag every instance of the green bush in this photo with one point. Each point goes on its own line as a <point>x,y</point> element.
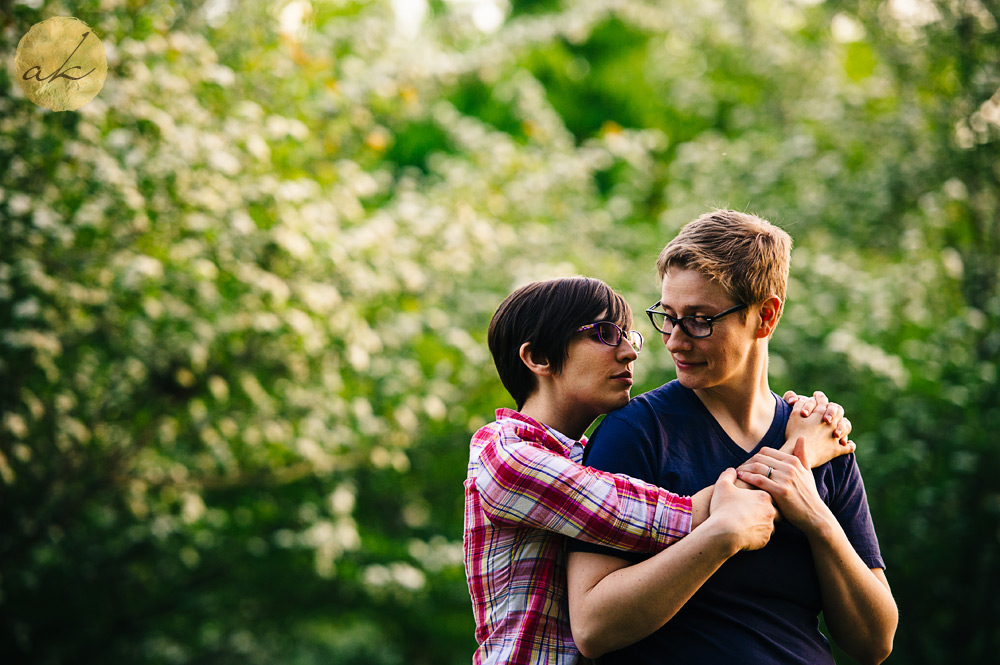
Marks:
<point>244,294</point>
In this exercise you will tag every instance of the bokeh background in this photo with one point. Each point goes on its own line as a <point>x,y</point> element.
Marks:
<point>244,293</point>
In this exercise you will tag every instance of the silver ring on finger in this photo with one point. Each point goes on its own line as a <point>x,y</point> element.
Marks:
<point>770,470</point>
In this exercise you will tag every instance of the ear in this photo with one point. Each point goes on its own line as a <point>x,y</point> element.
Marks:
<point>538,365</point>
<point>769,312</point>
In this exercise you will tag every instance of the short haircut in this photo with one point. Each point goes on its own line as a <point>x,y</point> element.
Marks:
<point>746,255</point>
<point>547,314</point>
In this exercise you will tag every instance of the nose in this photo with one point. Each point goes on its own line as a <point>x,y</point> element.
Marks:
<point>676,340</point>
<point>626,352</point>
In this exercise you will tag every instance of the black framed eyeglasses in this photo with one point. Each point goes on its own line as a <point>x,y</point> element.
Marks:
<point>610,334</point>
<point>697,327</point>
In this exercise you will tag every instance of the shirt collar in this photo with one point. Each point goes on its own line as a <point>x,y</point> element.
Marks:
<point>540,432</point>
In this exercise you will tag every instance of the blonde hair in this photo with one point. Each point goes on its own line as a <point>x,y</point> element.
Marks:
<point>746,255</point>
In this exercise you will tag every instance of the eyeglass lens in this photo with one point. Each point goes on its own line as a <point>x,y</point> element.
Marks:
<point>692,326</point>
<point>611,335</point>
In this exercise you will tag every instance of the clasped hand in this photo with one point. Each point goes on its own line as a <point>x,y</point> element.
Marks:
<point>824,425</point>
<point>789,483</point>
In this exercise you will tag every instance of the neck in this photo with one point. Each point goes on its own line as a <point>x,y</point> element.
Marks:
<point>744,405</point>
<point>564,418</point>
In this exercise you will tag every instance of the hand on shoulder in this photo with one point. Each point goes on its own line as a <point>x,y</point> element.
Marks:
<point>823,425</point>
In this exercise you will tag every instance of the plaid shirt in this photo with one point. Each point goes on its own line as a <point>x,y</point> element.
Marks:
<point>525,493</point>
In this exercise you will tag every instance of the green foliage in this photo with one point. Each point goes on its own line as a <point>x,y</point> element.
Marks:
<point>244,294</point>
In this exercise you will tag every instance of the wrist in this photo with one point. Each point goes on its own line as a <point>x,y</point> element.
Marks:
<point>700,504</point>
<point>720,536</point>
<point>822,525</point>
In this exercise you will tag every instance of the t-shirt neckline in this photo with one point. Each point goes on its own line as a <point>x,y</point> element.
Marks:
<point>734,448</point>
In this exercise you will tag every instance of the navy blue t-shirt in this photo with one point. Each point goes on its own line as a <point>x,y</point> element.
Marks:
<point>761,606</point>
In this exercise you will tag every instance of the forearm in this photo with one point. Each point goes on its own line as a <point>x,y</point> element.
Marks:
<point>700,503</point>
<point>857,604</point>
<point>613,604</point>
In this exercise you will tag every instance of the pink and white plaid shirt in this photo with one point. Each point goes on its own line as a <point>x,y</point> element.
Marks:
<point>525,493</point>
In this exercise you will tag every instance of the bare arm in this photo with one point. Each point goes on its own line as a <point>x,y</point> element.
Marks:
<point>857,603</point>
<point>613,604</point>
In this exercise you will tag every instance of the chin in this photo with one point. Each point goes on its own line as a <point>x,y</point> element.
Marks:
<point>620,402</point>
<point>685,380</point>
<point>690,382</point>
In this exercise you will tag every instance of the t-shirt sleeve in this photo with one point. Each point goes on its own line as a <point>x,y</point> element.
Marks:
<point>618,447</point>
<point>849,504</point>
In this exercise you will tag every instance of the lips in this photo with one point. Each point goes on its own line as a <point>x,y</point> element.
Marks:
<point>684,365</point>
<point>624,376</point>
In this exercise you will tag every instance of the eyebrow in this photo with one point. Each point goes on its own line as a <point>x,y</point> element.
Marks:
<point>691,308</point>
